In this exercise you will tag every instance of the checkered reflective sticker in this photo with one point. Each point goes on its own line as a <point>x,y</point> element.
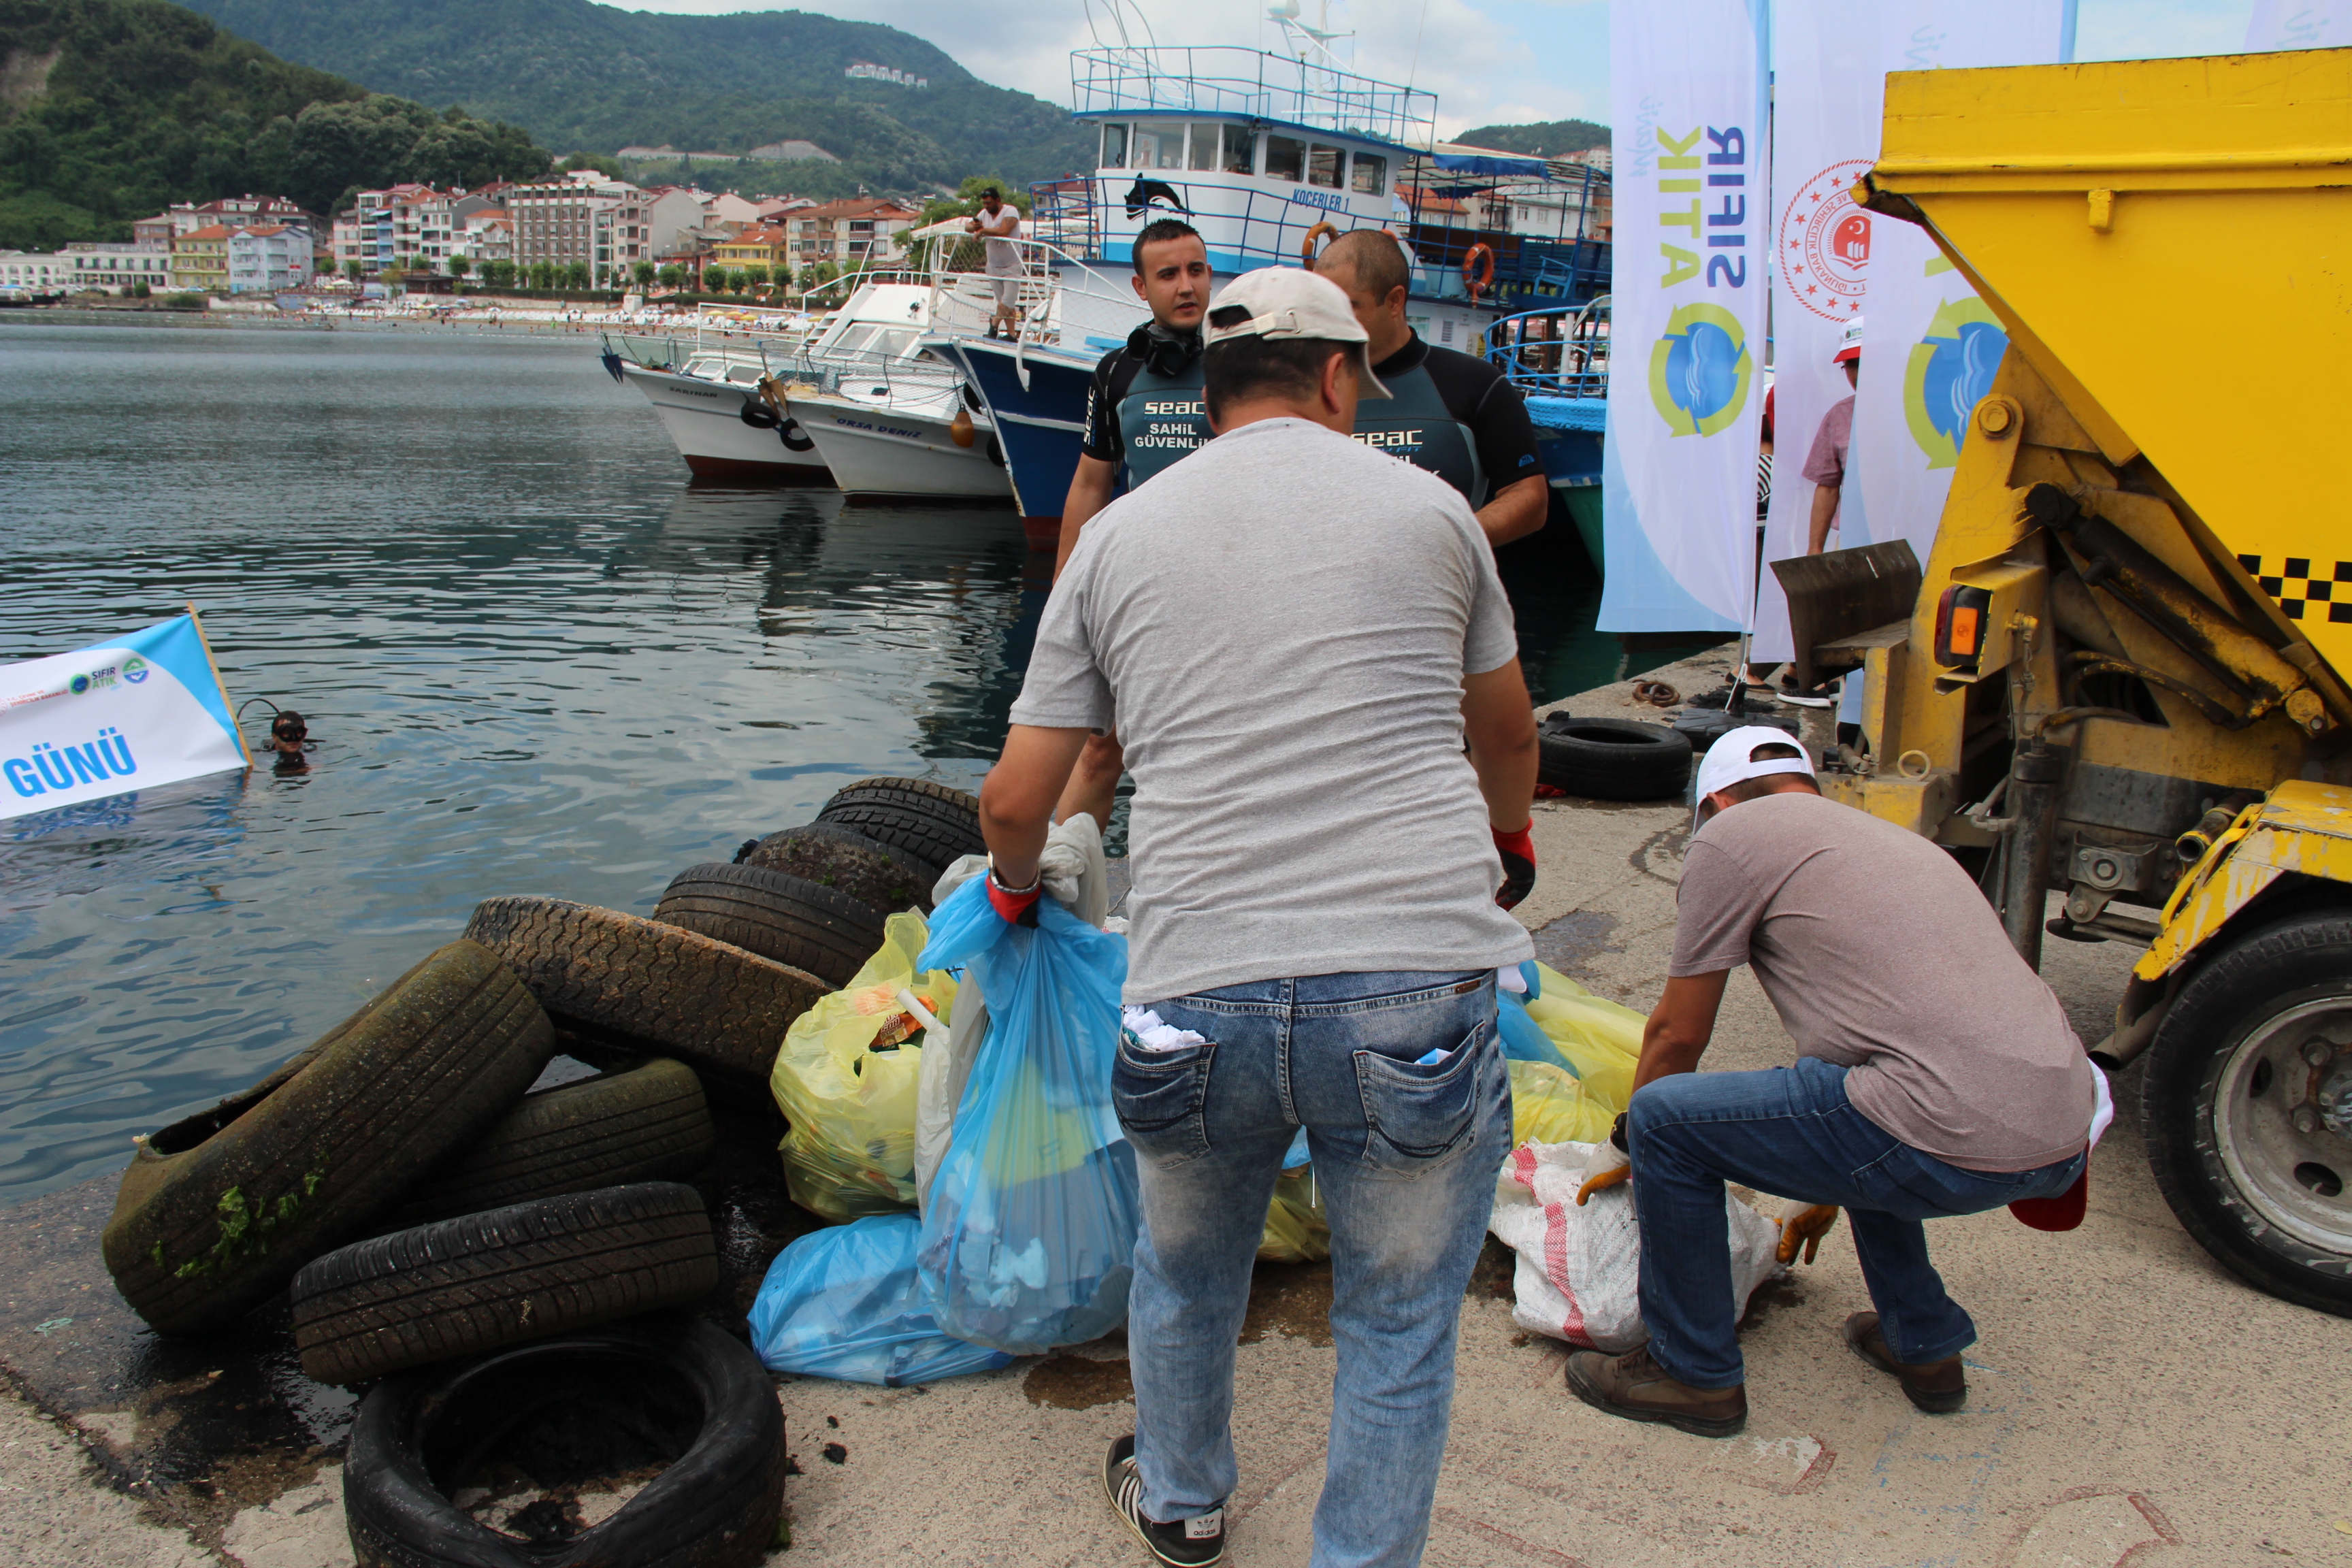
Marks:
<point>2299,583</point>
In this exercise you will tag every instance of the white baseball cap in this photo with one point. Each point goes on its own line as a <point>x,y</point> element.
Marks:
<point>1850,343</point>
<point>1292,302</point>
<point>1732,760</point>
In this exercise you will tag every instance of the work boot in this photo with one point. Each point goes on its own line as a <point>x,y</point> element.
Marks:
<point>1938,1387</point>
<point>1639,1389</point>
<point>1196,1542</point>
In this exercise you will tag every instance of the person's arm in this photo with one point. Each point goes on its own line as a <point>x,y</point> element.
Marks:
<point>1090,491</point>
<point>1516,511</point>
<point>1016,799</point>
<point>1500,726</point>
<point>1825,506</point>
<point>1679,1028</point>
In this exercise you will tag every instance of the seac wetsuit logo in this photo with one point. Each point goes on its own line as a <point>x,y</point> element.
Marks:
<point>1699,370</point>
<point>1948,372</point>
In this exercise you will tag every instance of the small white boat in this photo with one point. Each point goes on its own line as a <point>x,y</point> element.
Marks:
<point>883,442</point>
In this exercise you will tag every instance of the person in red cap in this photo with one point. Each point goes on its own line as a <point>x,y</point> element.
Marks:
<point>1936,1074</point>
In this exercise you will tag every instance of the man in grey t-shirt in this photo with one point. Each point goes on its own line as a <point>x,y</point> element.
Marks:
<point>1936,1074</point>
<point>1298,635</point>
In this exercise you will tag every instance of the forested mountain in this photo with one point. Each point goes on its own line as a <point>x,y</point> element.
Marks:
<point>1544,139</point>
<point>589,78</point>
<point>112,108</point>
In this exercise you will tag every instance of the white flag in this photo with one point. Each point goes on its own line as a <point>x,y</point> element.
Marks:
<point>1835,262</point>
<point>145,709</point>
<point>1685,388</point>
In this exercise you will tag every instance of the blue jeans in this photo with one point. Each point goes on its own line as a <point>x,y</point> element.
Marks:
<point>1404,1157</point>
<point>1788,1131</point>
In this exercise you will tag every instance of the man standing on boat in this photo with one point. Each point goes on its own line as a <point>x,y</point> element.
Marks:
<point>1316,925</point>
<point>1001,226</point>
<point>1144,413</point>
<point>1452,414</point>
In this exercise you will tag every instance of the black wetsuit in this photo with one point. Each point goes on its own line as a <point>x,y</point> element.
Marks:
<point>1141,419</point>
<point>1453,415</point>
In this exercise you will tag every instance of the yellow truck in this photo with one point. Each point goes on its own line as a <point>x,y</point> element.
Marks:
<point>2119,681</point>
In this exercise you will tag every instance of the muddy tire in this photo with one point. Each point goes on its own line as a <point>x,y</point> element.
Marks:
<point>936,824</point>
<point>2249,1080</point>
<point>776,915</point>
<point>710,1004</point>
<point>661,1391</point>
<point>218,1210</point>
<point>646,1124</point>
<point>885,879</point>
<point>1613,759</point>
<point>460,1287</point>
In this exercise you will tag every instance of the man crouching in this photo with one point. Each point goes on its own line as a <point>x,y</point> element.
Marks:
<point>1936,1074</point>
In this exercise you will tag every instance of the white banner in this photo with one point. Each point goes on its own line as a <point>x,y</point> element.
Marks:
<point>1834,261</point>
<point>145,709</point>
<point>2299,25</point>
<point>1678,468</point>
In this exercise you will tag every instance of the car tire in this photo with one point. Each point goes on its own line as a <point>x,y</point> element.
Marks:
<point>2226,1075</point>
<point>884,878</point>
<point>645,1123</point>
<point>690,1399</point>
<point>219,1209</point>
<point>936,824</point>
<point>1613,759</point>
<point>708,1003</point>
<point>462,1286</point>
<point>776,915</point>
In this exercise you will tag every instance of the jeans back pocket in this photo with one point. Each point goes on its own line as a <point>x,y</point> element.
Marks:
<point>1160,1097</point>
<point>1417,1117</point>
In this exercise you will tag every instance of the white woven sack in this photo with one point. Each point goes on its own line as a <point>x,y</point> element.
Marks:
<point>1579,1269</point>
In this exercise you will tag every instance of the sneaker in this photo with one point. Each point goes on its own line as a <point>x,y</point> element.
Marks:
<point>1192,1542</point>
<point>1938,1387</point>
<point>1639,1389</point>
<point>1820,695</point>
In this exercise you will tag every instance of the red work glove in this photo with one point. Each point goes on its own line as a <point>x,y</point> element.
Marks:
<point>1018,908</point>
<point>1518,853</point>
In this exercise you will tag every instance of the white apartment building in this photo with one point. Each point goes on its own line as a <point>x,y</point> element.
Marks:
<point>115,266</point>
<point>487,236</point>
<point>640,226</point>
<point>268,258</point>
<point>555,220</point>
<point>38,272</point>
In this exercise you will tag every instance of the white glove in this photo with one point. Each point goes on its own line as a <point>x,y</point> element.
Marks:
<point>1605,1167</point>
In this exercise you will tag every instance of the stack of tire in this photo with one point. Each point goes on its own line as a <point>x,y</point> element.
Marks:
<point>444,1235</point>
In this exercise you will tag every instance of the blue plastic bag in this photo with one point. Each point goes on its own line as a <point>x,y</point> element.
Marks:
<point>1523,1038</point>
<point>844,1302</point>
<point>1029,1237</point>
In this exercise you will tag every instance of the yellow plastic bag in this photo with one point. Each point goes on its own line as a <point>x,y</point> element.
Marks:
<point>1601,1038</point>
<point>850,1151</point>
<point>1296,1230</point>
<point>1550,1106</point>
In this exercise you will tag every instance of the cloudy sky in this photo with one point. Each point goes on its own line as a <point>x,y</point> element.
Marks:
<point>1489,61</point>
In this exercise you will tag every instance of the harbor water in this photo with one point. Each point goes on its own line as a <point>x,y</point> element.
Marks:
<point>532,658</point>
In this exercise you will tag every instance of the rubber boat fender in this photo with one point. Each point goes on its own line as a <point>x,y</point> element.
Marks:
<point>612,365</point>
<point>759,415</point>
<point>960,430</point>
<point>795,439</point>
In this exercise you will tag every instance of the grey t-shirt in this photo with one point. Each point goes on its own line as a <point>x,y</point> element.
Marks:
<point>1881,956</point>
<point>1282,622</point>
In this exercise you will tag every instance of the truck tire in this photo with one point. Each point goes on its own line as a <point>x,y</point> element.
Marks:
<point>218,1210</point>
<point>776,915</point>
<point>885,879</point>
<point>1613,759</point>
<point>936,824</point>
<point>645,1123</point>
<point>459,1286</point>
<point>2247,1109</point>
<point>708,1003</point>
<point>660,1392</point>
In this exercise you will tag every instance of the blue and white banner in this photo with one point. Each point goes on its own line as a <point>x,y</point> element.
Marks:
<point>1686,330</point>
<point>1836,262</point>
<point>144,710</point>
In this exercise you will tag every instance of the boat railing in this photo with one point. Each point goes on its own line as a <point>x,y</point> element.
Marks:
<point>1255,84</point>
<point>1558,352</point>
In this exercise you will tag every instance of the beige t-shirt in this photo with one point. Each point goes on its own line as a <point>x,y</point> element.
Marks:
<point>1881,956</point>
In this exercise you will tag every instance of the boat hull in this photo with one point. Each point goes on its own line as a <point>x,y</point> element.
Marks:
<point>889,453</point>
<point>1040,425</point>
<point>705,421</point>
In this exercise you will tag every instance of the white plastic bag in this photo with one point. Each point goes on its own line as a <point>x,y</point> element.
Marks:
<point>1580,1274</point>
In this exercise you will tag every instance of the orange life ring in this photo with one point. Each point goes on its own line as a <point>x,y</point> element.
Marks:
<point>1306,248</point>
<point>1478,282</point>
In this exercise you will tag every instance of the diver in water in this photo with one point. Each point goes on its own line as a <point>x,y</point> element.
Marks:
<point>289,736</point>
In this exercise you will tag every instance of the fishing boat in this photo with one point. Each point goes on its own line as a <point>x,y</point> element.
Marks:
<point>1270,155</point>
<point>886,439</point>
<point>1559,359</point>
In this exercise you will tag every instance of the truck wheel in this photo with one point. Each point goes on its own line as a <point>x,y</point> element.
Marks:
<point>2247,1109</point>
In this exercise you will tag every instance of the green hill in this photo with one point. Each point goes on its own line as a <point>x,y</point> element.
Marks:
<point>1544,139</point>
<point>109,110</point>
<point>590,77</point>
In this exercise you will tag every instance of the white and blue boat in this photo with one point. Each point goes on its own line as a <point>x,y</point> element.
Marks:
<point>1269,156</point>
<point>1559,359</point>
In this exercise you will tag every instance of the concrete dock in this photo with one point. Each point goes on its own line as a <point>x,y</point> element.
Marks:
<point>2130,1401</point>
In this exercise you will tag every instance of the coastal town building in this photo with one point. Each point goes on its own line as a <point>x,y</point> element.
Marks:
<point>764,246</point>
<point>555,220</point>
<point>114,265</point>
<point>488,235</point>
<point>267,258</point>
<point>790,151</point>
<point>866,70</point>
<point>639,227</point>
<point>848,232</point>
<point>200,259</point>
<point>186,217</point>
<point>736,213</point>
<point>38,272</point>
